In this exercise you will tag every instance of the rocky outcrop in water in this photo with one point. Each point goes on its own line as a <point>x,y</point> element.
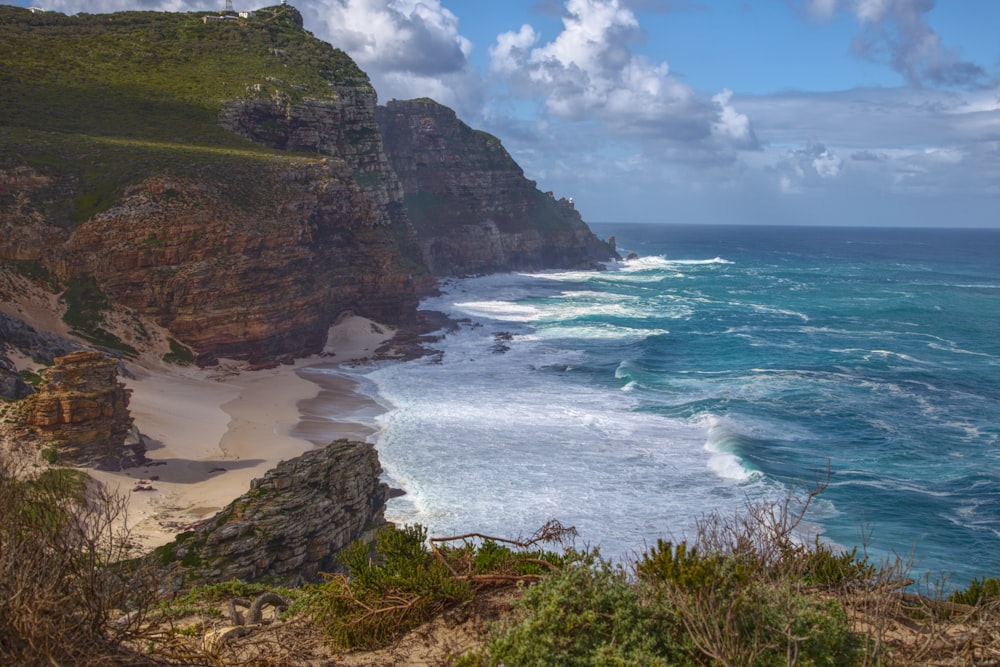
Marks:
<point>472,207</point>
<point>79,416</point>
<point>289,526</point>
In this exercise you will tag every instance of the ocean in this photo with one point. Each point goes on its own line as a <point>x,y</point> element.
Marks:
<point>725,365</point>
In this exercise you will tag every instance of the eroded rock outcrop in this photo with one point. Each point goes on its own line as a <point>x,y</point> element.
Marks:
<point>289,526</point>
<point>79,414</point>
<point>255,277</point>
<point>472,207</point>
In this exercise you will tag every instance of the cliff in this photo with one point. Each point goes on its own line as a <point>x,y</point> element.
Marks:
<point>335,497</point>
<point>243,206</point>
<point>235,183</point>
<point>79,416</point>
<point>473,208</point>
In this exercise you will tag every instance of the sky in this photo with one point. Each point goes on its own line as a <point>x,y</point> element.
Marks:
<point>834,112</point>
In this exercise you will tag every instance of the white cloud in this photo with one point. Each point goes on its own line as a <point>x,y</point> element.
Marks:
<point>732,125</point>
<point>590,70</point>
<point>587,67</point>
<point>409,48</point>
<point>826,164</point>
<point>806,167</point>
<point>418,37</point>
<point>896,32</point>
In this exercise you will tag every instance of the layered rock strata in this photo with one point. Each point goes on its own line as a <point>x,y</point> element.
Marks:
<point>79,415</point>
<point>289,526</point>
<point>255,278</point>
<point>472,207</point>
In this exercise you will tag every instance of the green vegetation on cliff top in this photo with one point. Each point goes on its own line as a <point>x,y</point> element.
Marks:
<point>108,99</point>
<point>157,75</point>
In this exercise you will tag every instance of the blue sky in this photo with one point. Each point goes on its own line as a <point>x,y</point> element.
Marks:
<point>874,112</point>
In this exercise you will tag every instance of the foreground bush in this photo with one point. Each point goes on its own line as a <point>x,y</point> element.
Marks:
<point>62,574</point>
<point>404,579</point>
<point>389,591</point>
<point>588,613</point>
<point>744,593</point>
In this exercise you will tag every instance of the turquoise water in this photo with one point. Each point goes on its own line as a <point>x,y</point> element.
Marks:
<point>723,364</point>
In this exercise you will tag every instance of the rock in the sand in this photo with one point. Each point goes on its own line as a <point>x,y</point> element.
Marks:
<point>78,417</point>
<point>289,526</point>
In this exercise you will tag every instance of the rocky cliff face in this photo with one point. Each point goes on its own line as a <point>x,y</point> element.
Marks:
<point>253,277</point>
<point>289,526</point>
<point>472,207</point>
<point>80,413</point>
<point>238,250</point>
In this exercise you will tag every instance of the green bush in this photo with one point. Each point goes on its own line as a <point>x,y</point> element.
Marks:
<point>821,565</point>
<point>86,304</point>
<point>179,354</point>
<point>780,625</point>
<point>588,613</point>
<point>390,589</point>
<point>978,592</point>
<point>683,567</point>
<point>747,601</point>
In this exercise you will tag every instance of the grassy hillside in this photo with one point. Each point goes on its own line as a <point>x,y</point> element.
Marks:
<point>156,75</point>
<point>103,100</point>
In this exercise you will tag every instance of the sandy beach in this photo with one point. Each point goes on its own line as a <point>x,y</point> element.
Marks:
<point>209,432</point>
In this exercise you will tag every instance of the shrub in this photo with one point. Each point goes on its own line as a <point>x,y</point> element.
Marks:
<point>85,308</point>
<point>587,613</point>
<point>179,354</point>
<point>64,573</point>
<point>391,589</point>
<point>741,591</point>
<point>978,592</point>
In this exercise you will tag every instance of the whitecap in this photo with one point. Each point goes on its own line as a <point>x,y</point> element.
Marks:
<point>500,310</point>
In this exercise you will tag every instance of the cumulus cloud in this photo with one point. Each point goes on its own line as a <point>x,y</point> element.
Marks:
<point>590,70</point>
<point>880,141</point>
<point>419,37</point>
<point>731,124</point>
<point>409,48</point>
<point>807,166</point>
<point>896,32</point>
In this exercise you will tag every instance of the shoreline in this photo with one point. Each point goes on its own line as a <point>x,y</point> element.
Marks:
<point>338,411</point>
<point>209,432</point>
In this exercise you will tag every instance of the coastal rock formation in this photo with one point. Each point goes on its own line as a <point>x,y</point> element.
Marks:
<point>473,209</point>
<point>236,248</point>
<point>289,526</point>
<point>80,414</point>
<point>25,229</point>
<point>255,278</point>
<point>245,205</point>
